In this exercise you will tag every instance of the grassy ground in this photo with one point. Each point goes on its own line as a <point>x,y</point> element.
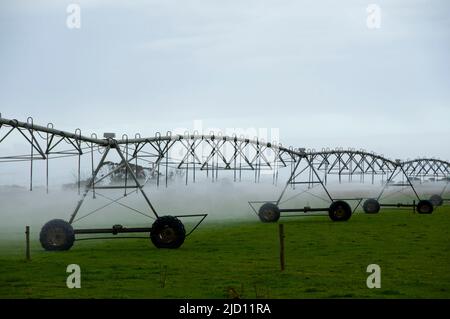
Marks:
<point>323,260</point>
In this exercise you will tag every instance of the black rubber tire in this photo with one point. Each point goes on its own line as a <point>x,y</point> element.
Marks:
<point>436,200</point>
<point>340,211</point>
<point>57,235</point>
<point>167,232</point>
<point>269,213</point>
<point>371,206</point>
<point>424,207</point>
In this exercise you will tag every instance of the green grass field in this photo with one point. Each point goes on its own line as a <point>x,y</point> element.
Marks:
<point>323,260</point>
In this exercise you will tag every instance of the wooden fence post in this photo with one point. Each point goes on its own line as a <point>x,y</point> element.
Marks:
<point>281,233</point>
<point>27,238</point>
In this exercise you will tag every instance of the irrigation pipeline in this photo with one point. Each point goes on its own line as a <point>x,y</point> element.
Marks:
<point>338,161</point>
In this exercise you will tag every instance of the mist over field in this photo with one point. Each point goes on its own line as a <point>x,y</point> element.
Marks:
<point>223,201</point>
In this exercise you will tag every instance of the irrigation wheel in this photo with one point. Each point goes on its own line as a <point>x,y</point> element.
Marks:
<point>57,235</point>
<point>436,200</point>
<point>269,213</point>
<point>340,211</point>
<point>167,232</point>
<point>371,206</point>
<point>424,207</point>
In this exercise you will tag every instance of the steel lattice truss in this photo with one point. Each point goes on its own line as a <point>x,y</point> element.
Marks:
<point>208,155</point>
<point>210,152</point>
<point>427,167</point>
<point>350,162</point>
<point>189,152</point>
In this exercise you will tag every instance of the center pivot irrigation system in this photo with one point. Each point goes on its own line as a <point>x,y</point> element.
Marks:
<point>202,157</point>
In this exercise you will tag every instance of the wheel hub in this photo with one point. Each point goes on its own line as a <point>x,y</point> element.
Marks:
<point>340,212</point>
<point>56,237</point>
<point>167,235</point>
<point>269,214</point>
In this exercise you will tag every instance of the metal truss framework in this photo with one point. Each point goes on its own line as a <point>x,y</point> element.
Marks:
<point>210,154</point>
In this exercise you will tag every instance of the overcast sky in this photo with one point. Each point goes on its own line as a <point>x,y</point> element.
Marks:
<point>312,69</point>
